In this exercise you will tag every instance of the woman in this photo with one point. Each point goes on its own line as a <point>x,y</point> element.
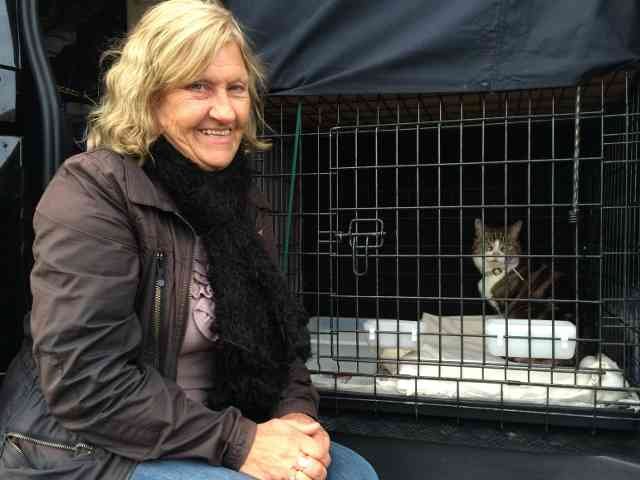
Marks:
<point>163,341</point>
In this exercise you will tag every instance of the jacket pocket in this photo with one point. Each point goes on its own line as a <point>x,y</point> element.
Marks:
<point>25,451</point>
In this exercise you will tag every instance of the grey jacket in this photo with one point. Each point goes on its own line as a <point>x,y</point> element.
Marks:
<point>93,391</point>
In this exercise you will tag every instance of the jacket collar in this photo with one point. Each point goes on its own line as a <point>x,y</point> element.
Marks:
<point>144,191</point>
<point>141,189</point>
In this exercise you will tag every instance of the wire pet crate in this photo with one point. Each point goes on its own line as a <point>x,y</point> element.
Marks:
<point>375,199</point>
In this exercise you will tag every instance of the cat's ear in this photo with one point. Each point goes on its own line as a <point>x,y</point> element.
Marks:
<point>478,224</point>
<point>514,230</point>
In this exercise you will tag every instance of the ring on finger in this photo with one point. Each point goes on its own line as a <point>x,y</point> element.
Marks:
<point>303,462</point>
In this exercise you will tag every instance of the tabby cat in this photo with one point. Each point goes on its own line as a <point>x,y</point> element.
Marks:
<point>506,281</point>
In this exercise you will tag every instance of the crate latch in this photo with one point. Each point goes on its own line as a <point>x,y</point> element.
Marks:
<point>364,234</point>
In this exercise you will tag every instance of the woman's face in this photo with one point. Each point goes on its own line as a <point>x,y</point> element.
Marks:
<point>206,119</point>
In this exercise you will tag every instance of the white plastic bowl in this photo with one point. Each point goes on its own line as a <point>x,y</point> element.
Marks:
<point>402,332</point>
<point>523,338</point>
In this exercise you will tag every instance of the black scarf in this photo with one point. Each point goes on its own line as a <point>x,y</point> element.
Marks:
<point>261,324</point>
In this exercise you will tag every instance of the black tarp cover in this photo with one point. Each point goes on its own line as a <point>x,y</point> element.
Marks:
<point>422,46</point>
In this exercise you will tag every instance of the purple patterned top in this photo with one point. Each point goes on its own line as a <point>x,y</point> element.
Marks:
<point>194,365</point>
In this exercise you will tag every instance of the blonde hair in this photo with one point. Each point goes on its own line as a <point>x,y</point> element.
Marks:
<point>172,44</point>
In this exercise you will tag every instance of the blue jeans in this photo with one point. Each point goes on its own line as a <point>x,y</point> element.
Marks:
<point>345,465</point>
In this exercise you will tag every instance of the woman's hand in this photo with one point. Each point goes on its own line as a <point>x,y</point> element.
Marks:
<point>300,421</point>
<point>282,451</point>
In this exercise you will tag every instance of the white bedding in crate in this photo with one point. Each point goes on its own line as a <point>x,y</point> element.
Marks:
<point>473,380</point>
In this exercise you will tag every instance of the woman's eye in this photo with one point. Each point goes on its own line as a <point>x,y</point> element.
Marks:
<point>197,86</point>
<point>238,88</point>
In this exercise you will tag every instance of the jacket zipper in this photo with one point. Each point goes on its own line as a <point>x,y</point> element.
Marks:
<point>170,366</point>
<point>78,449</point>
<point>158,295</point>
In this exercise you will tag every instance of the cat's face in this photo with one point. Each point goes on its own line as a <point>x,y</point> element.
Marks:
<point>497,248</point>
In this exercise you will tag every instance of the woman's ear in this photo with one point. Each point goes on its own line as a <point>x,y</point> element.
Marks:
<point>154,101</point>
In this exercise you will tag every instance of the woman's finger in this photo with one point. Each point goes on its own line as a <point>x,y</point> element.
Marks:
<point>311,468</point>
<point>308,428</point>
<point>326,460</point>
<point>322,438</point>
<point>312,448</point>
<point>298,475</point>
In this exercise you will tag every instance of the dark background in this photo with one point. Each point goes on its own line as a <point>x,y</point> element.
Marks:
<point>410,46</point>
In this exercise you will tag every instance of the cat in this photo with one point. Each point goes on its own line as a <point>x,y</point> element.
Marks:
<point>497,256</point>
<point>507,283</point>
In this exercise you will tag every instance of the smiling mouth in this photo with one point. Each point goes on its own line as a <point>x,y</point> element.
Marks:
<point>216,132</point>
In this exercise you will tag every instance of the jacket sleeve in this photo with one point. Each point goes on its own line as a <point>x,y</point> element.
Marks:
<point>300,396</point>
<point>87,335</point>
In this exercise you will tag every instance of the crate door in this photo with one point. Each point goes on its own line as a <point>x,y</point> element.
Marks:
<point>375,253</point>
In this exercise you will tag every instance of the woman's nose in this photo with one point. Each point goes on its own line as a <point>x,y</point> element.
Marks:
<point>222,109</point>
